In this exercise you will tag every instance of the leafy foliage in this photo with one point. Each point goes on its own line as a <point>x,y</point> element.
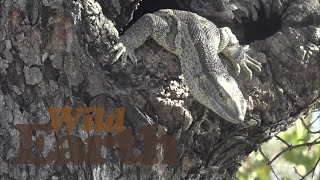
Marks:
<point>294,154</point>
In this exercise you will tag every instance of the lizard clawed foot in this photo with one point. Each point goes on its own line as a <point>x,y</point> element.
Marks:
<point>245,62</point>
<point>123,52</point>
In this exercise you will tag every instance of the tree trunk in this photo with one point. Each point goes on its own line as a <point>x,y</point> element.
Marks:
<point>56,54</point>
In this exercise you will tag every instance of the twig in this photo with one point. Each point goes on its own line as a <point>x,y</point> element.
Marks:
<point>291,147</point>
<point>269,164</point>
<point>307,127</point>
<point>312,170</point>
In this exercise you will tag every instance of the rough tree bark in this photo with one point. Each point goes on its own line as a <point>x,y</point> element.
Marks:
<point>52,55</point>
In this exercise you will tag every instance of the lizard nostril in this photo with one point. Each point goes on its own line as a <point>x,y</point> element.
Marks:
<point>230,103</point>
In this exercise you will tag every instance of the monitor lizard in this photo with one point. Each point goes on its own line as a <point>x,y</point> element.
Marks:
<point>196,41</point>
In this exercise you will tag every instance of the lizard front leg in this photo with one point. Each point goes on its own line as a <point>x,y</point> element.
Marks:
<point>230,47</point>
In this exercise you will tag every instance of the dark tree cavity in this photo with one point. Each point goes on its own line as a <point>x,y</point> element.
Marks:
<point>265,26</point>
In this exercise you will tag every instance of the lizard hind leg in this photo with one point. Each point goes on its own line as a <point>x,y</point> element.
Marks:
<point>133,38</point>
<point>155,26</point>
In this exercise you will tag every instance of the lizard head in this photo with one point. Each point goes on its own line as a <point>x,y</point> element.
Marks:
<point>228,102</point>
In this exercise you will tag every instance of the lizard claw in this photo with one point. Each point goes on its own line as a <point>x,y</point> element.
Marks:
<point>245,62</point>
<point>123,52</point>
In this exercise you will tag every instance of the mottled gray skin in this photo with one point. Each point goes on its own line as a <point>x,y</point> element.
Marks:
<point>197,42</point>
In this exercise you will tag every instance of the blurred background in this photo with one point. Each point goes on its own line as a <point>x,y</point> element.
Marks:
<point>293,154</point>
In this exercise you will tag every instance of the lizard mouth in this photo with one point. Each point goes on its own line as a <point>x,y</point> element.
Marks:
<point>231,103</point>
<point>232,111</point>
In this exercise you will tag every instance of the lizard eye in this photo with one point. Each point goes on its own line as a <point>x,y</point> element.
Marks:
<point>221,94</point>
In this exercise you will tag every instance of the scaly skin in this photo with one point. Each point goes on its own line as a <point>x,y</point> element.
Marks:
<point>197,42</point>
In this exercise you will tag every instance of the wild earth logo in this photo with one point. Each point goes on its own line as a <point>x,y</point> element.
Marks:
<point>77,153</point>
